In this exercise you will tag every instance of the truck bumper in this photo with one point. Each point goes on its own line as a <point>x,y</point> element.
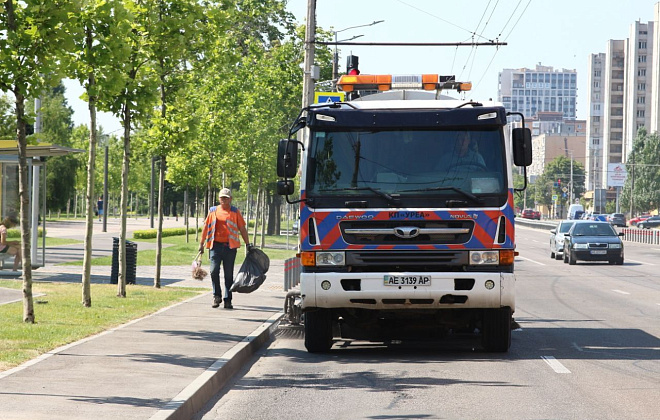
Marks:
<point>369,291</point>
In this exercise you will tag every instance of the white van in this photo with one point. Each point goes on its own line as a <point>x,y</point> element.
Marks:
<point>575,211</point>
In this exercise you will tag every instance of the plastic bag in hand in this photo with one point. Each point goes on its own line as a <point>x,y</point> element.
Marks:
<point>252,273</point>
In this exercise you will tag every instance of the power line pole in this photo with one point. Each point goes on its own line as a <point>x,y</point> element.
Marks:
<point>310,36</point>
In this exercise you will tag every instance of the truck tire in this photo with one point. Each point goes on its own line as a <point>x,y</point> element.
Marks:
<point>318,331</point>
<point>496,331</point>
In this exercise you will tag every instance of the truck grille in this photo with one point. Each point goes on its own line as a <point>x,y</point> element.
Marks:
<point>406,260</point>
<point>407,232</point>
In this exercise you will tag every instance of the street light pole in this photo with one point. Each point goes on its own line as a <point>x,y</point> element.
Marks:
<point>335,58</point>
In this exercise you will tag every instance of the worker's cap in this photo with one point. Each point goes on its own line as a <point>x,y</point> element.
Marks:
<point>225,192</point>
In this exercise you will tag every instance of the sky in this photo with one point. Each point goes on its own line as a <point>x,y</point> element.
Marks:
<point>557,33</point>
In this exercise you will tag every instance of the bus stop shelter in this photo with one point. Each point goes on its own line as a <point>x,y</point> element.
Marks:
<point>37,155</point>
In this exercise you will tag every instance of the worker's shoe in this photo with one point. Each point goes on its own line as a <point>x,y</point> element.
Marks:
<point>216,302</point>
<point>228,304</point>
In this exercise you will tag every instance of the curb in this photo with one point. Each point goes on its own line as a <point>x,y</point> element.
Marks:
<point>194,397</point>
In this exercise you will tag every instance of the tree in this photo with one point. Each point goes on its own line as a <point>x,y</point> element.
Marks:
<point>36,36</point>
<point>100,26</point>
<point>643,173</point>
<point>547,184</point>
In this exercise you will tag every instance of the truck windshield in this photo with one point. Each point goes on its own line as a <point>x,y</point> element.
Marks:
<point>447,164</point>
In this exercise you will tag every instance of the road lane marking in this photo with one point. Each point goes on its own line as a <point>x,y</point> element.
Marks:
<point>639,262</point>
<point>620,291</point>
<point>530,260</point>
<point>555,364</point>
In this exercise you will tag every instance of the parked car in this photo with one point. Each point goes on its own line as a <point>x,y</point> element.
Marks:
<point>617,219</point>
<point>635,220</point>
<point>590,240</point>
<point>557,238</point>
<point>531,214</point>
<point>651,222</point>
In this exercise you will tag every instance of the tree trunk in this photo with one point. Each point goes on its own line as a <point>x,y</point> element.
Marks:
<point>264,213</point>
<point>159,231</point>
<point>24,199</point>
<point>91,171</point>
<point>126,120</point>
<point>256,215</point>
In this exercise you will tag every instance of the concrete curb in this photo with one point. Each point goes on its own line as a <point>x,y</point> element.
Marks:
<point>194,397</point>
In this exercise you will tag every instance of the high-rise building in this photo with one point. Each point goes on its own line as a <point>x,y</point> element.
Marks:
<point>622,98</point>
<point>542,89</point>
<point>594,144</point>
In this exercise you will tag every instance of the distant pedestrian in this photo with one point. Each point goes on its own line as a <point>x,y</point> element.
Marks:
<point>99,208</point>
<point>11,248</point>
<point>220,235</point>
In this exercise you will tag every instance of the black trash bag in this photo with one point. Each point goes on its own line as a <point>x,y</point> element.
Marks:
<point>252,273</point>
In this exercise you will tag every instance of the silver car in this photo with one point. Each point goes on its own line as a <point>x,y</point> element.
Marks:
<point>557,239</point>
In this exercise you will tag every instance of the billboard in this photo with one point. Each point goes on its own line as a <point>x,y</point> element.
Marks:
<point>616,174</point>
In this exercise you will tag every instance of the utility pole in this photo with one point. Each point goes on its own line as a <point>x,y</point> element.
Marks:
<point>310,36</point>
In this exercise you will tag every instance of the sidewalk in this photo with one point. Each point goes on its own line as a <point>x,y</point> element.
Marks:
<point>163,366</point>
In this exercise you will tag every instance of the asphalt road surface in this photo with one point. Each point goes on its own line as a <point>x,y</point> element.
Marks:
<point>588,348</point>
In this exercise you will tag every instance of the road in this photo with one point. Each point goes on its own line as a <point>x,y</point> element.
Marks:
<point>587,348</point>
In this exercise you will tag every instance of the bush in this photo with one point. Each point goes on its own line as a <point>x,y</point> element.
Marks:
<point>16,233</point>
<point>152,233</point>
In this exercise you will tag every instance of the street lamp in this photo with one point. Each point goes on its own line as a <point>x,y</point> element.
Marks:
<point>335,58</point>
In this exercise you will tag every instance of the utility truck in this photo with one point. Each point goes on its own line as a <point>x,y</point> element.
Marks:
<point>406,212</point>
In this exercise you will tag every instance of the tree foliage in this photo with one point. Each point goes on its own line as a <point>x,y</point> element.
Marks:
<point>643,173</point>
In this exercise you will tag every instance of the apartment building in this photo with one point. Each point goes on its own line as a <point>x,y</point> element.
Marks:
<point>621,99</point>
<point>542,89</point>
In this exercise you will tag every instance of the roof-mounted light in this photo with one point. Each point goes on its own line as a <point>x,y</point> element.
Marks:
<point>384,82</point>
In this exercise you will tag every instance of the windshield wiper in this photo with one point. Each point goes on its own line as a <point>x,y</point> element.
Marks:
<point>374,190</point>
<point>450,188</point>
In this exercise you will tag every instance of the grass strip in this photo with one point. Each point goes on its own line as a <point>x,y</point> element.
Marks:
<point>61,318</point>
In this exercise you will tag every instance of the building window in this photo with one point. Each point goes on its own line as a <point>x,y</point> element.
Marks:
<point>596,141</point>
<point>640,113</point>
<point>641,86</point>
<point>597,73</point>
<point>642,45</point>
<point>641,72</point>
<point>641,99</point>
<point>641,59</point>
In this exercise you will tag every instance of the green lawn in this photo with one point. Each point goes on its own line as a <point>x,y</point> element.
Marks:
<point>177,252</point>
<point>61,319</point>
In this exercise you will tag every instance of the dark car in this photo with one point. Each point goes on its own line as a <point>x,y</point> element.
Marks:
<point>593,241</point>
<point>617,219</point>
<point>651,222</point>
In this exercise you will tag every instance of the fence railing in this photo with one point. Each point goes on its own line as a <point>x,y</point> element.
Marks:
<point>292,270</point>
<point>643,236</point>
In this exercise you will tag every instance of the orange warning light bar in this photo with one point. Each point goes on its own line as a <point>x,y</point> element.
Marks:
<point>384,82</point>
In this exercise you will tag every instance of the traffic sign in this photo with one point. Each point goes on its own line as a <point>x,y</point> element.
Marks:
<point>564,189</point>
<point>554,197</point>
<point>329,97</point>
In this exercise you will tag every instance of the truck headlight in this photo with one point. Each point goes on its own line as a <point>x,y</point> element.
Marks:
<point>484,257</point>
<point>325,258</point>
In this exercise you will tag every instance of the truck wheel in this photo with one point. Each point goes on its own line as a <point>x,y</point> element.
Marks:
<point>318,331</point>
<point>496,334</point>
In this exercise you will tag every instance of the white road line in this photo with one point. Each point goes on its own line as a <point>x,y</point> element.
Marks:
<point>530,260</point>
<point>555,364</point>
<point>620,291</point>
<point>639,262</point>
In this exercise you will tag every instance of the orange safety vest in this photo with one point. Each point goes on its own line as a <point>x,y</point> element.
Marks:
<point>208,233</point>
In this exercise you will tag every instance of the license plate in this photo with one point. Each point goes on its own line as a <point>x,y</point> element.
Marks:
<point>599,252</point>
<point>415,280</point>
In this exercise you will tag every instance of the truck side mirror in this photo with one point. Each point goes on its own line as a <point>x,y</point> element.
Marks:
<point>285,187</point>
<point>287,158</point>
<point>522,146</point>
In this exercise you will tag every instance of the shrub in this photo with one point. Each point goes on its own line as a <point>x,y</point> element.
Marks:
<point>152,233</point>
<point>16,233</point>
